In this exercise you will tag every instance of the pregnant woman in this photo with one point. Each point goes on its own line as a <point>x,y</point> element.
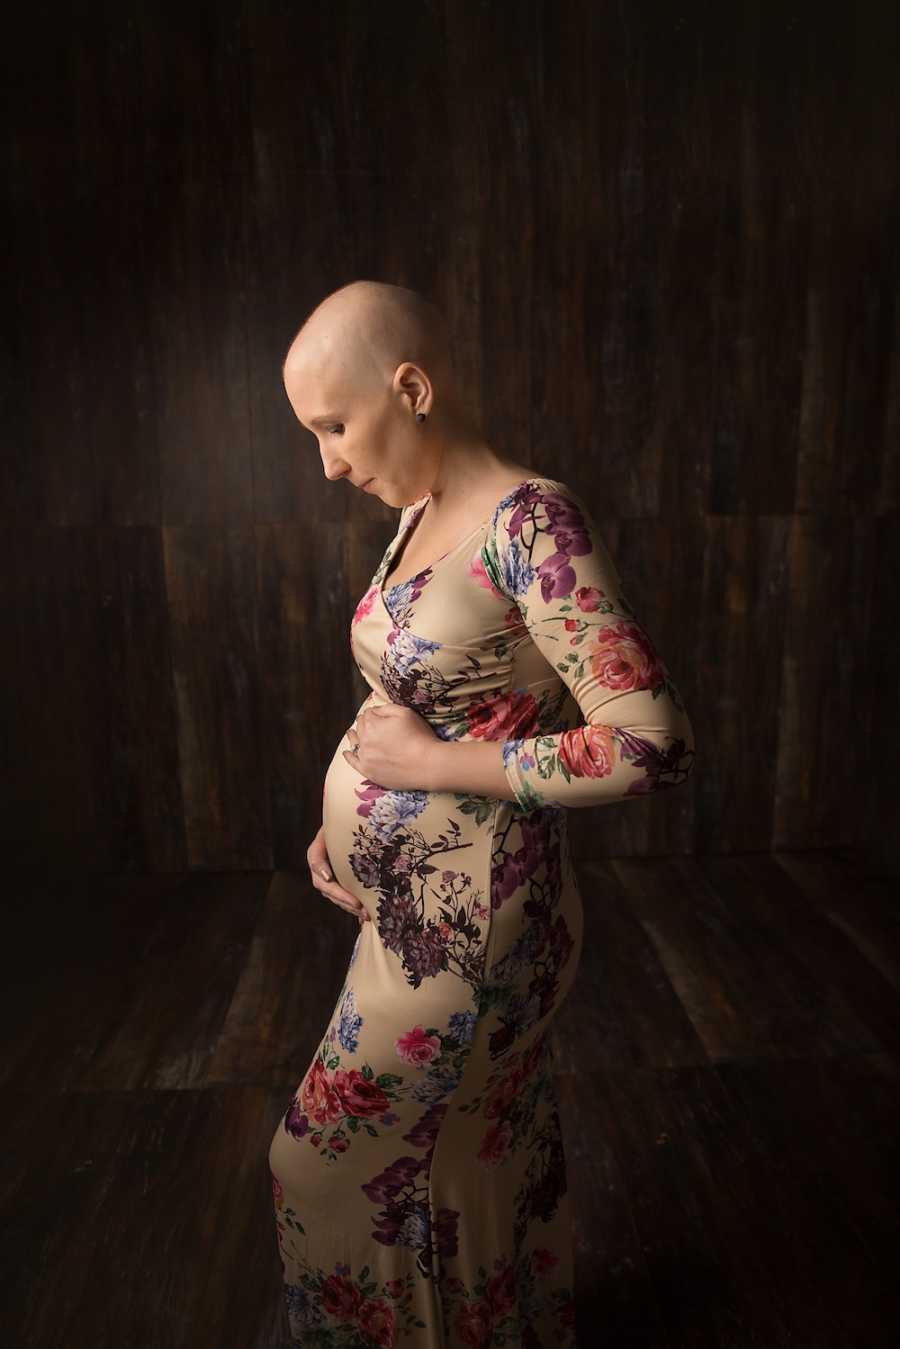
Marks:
<point>418,1171</point>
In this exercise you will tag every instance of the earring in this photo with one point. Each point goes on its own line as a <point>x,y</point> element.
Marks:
<point>420,416</point>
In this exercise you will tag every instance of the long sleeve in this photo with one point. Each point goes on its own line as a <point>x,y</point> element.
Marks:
<point>543,552</point>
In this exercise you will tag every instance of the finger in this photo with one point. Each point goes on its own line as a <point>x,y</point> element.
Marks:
<point>341,897</point>
<point>355,909</point>
<point>336,892</point>
<point>324,881</point>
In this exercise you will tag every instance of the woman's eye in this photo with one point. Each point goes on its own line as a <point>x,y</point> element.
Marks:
<point>334,429</point>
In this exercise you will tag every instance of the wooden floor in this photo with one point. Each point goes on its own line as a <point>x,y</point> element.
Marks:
<point>727,1068</point>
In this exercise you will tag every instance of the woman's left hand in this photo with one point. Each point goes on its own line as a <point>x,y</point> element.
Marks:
<point>395,749</point>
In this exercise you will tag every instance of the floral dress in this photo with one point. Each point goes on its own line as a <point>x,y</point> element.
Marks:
<point>418,1172</point>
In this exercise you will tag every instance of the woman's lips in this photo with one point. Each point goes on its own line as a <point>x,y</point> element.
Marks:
<point>367,485</point>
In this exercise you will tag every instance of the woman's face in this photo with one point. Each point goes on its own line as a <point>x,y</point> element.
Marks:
<point>372,439</point>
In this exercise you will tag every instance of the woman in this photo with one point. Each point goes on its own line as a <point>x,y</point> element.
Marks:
<point>418,1172</point>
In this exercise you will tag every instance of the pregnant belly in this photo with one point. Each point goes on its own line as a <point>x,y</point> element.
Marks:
<point>340,820</point>
<point>343,794</point>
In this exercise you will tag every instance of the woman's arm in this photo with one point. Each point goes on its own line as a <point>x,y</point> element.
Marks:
<point>474,766</point>
<point>544,553</point>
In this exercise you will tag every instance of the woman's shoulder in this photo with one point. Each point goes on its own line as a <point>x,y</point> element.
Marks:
<point>529,494</point>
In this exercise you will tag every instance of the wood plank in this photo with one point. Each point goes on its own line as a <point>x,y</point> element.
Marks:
<point>831,564</point>
<point>748,991</point>
<point>698,1217</point>
<point>804,961</point>
<point>622,1010</point>
<point>129,1215</point>
<point>860,901</point>
<point>135,980</point>
<point>615,1295</point>
<point>827,1130</point>
<point>214,608</point>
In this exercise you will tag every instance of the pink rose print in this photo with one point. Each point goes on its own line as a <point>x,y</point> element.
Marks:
<point>588,598</point>
<point>473,1325</point>
<point>341,1297</point>
<point>359,1095</point>
<point>476,569</point>
<point>512,618</point>
<point>587,751</point>
<point>501,1291</point>
<point>624,658</point>
<point>318,1096</point>
<point>365,605</point>
<point>503,716</point>
<point>543,1260</point>
<point>417,1048</point>
<point>376,1321</point>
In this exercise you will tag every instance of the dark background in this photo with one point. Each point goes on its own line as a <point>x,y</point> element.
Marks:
<point>665,236</point>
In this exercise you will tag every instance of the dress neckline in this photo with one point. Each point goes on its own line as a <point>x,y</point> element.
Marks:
<point>403,536</point>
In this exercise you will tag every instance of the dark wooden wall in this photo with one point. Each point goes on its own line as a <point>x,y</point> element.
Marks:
<point>666,238</point>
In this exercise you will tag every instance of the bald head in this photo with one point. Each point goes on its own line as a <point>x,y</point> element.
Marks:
<point>358,335</point>
<point>371,374</point>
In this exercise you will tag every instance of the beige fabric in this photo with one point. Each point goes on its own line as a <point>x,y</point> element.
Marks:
<point>418,1172</point>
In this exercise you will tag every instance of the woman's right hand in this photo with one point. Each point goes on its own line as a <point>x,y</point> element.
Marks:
<point>323,879</point>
